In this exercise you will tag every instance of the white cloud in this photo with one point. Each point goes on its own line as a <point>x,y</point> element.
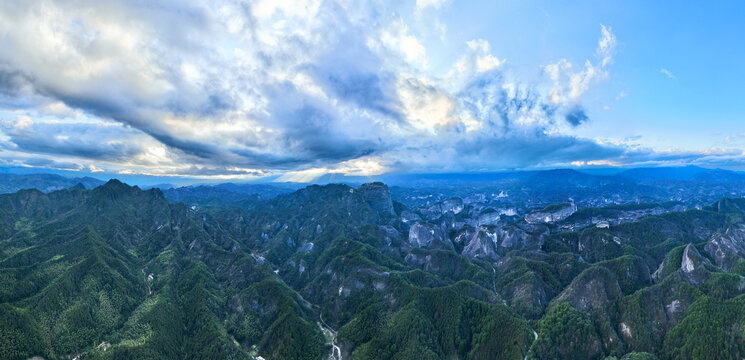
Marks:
<point>606,45</point>
<point>245,89</point>
<point>667,73</point>
<point>424,106</point>
<point>23,122</point>
<point>397,38</point>
<point>478,59</point>
<point>569,85</point>
<point>421,5</point>
<point>59,109</point>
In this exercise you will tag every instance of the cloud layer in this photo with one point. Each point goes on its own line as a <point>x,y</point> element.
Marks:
<point>238,88</point>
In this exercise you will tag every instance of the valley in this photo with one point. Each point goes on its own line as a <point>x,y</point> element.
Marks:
<point>372,180</point>
<point>368,272</point>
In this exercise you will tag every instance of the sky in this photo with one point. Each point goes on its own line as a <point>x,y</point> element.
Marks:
<point>294,89</point>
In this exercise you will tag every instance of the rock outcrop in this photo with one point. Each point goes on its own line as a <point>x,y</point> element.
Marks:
<point>694,267</point>
<point>489,218</point>
<point>378,196</point>
<point>426,235</point>
<point>486,241</point>
<point>552,214</point>
<point>727,248</point>
<point>453,205</point>
<point>593,288</point>
<point>480,243</point>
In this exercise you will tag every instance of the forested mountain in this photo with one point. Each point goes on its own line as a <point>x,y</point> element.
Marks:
<point>224,195</point>
<point>355,273</point>
<point>372,180</point>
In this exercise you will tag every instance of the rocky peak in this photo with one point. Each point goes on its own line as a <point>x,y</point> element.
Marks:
<point>552,213</point>
<point>691,260</point>
<point>450,206</point>
<point>378,196</point>
<point>426,235</point>
<point>593,288</point>
<point>116,184</point>
<point>480,243</point>
<point>727,248</point>
<point>686,263</point>
<point>454,205</point>
<point>116,192</point>
<point>695,267</point>
<point>489,217</point>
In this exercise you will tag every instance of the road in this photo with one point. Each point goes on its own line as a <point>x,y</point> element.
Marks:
<point>335,349</point>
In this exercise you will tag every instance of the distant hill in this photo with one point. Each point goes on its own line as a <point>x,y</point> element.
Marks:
<point>264,191</point>
<point>163,186</point>
<point>687,173</point>
<point>334,271</point>
<point>10,183</point>
<point>245,196</point>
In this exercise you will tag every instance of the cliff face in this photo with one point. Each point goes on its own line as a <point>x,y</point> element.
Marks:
<point>453,205</point>
<point>552,214</point>
<point>695,268</point>
<point>727,248</point>
<point>480,243</point>
<point>378,196</point>
<point>609,216</point>
<point>428,236</point>
<point>592,289</point>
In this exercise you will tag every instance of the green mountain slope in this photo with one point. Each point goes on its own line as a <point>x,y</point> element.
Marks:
<point>120,273</point>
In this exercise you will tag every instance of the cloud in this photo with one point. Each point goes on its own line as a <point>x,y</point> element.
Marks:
<point>21,160</point>
<point>98,140</point>
<point>478,59</point>
<point>737,137</point>
<point>569,84</point>
<point>425,106</point>
<point>246,89</point>
<point>149,68</point>
<point>519,150</point>
<point>398,38</point>
<point>23,122</point>
<point>577,116</point>
<point>606,45</point>
<point>421,5</point>
<point>667,73</point>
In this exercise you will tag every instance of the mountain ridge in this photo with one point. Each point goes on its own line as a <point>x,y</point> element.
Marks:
<point>99,273</point>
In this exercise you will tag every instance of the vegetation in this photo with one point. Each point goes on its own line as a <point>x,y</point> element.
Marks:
<point>121,273</point>
<point>712,329</point>
<point>565,333</point>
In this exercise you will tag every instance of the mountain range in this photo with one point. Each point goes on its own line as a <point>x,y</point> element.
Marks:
<point>542,265</point>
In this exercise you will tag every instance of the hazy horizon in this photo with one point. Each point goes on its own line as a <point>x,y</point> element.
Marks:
<point>397,178</point>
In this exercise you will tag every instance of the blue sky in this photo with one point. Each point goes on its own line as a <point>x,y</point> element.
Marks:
<point>226,90</point>
<point>701,46</point>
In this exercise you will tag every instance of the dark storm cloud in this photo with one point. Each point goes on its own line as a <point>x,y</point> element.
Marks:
<point>576,116</point>
<point>49,163</point>
<point>10,81</point>
<point>85,140</point>
<point>351,70</point>
<point>515,151</point>
<point>40,162</point>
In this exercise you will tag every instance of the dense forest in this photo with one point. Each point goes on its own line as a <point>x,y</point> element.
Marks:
<point>120,273</point>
